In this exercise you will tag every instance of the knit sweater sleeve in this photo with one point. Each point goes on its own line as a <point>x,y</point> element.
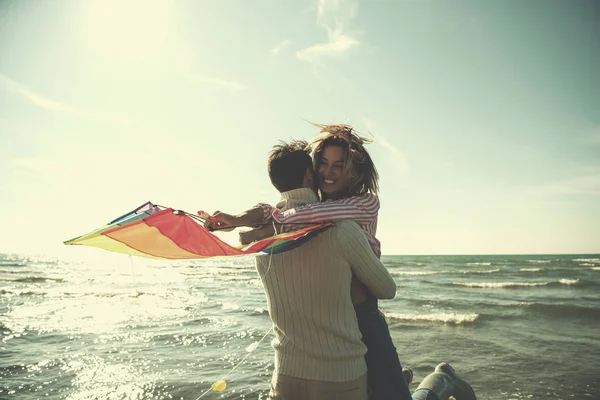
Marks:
<point>367,267</point>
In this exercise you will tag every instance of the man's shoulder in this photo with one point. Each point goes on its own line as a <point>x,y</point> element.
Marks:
<point>346,224</point>
<point>340,232</point>
<point>345,228</point>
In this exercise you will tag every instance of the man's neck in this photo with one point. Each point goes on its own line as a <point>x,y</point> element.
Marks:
<point>296,197</point>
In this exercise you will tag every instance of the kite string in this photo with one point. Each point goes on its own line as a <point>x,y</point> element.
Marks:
<point>238,364</point>
<point>252,347</point>
<point>256,344</point>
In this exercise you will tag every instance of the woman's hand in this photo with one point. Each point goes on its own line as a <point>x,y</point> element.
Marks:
<point>221,221</point>
<point>253,235</point>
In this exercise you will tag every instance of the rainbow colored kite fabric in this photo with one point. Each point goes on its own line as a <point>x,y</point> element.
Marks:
<point>164,233</point>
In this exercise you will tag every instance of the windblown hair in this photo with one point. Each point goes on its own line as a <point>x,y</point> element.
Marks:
<point>287,164</point>
<point>358,165</point>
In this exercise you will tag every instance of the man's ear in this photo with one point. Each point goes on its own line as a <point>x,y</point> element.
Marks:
<point>309,181</point>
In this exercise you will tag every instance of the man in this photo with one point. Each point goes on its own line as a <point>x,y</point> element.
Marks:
<point>318,349</point>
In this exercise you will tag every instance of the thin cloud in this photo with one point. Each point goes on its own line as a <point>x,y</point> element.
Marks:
<point>133,128</point>
<point>280,47</point>
<point>397,157</point>
<point>53,105</point>
<point>184,68</point>
<point>334,16</point>
<point>338,44</point>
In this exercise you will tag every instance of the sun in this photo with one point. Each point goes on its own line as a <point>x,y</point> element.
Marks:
<point>127,30</point>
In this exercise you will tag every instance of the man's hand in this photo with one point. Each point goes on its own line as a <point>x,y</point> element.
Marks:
<point>253,235</point>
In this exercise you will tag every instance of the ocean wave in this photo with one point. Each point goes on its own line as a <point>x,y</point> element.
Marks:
<point>530,269</point>
<point>229,306</point>
<point>595,268</point>
<point>11,264</point>
<point>18,271</point>
<point>441,317</point>
<point>394,264</point>
<point>569,281</point>
<point>499,285</point>
<point>22,292</point>
<point>539,261</point>
<point>508,285</point>
<point>464,271</point>
<point>562,310</point>
<point>589,260</point>
<point>475,272</point>
<point>478,264</point>
<point>4,328</point>
<point>415,273</point>
<point>35,279</point>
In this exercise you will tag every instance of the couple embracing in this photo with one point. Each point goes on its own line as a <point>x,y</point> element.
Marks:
<point>331,340</point>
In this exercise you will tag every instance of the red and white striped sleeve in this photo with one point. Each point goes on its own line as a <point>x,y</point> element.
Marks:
<point>362,209</point>
<point>267,212</point>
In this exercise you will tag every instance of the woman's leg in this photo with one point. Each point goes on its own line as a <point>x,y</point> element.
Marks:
<point>386,381</point>
<point>424,394</point>
<point>444,382</point>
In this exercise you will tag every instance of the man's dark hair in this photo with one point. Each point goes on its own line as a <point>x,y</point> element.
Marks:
<point>287,164</point>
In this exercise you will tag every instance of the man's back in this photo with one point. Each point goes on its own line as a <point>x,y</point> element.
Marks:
<point>308,294</point>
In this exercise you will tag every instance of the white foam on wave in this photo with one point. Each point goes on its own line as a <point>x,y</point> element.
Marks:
<point>595,268</point>
<point>530,269</point>
<point>569,281</point>
<point>441,317</point>
<point>592,260</point>
<point>414,273</point>
<point>230,306</point>
<point>539,261</point>
<point>478,263</point>
<point>498,285</point>
<point>488,271</point>
<point>502,285</point>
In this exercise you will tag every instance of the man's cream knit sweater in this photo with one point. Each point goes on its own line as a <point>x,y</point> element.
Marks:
<point>308,296</point>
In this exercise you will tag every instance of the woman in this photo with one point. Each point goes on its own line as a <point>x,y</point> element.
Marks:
<point>348,185</point>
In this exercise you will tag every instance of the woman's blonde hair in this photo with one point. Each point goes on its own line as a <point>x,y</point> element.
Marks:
<point>358,165</point>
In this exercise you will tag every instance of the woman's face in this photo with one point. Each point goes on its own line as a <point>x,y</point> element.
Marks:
<point>332,178</point>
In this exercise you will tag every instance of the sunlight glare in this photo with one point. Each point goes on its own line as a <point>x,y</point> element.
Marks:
<point>129,31</point>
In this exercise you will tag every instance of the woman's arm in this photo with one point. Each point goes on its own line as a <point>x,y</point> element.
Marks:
<point>251,217</point>
<point>253,235</point>
<point>362,209</point>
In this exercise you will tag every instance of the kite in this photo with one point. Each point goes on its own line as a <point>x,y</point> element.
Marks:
<point>159,232</point>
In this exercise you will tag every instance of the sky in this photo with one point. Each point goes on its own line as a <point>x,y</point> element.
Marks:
<point>485,114</point>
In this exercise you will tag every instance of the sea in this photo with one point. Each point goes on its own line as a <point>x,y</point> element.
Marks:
<point>100,325</point>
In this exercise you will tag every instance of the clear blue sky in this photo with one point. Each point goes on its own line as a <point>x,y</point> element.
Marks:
<point>486,114</point>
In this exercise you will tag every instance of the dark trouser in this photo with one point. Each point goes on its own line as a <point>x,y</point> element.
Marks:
<point>385,378</point>
<point>424,394</point>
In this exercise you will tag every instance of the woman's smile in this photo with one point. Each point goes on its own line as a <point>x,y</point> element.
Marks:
<point>331,170</point>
